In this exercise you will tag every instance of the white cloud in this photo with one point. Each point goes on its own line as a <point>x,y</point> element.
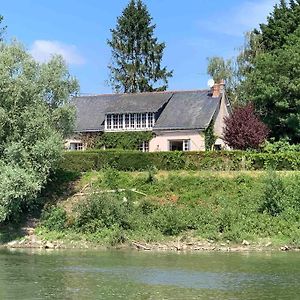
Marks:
<point>244,17</point>
<point>43,50</point>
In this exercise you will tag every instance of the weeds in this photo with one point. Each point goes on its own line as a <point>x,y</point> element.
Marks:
<point>214,207</point>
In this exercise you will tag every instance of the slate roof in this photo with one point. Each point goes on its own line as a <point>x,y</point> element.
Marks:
<point>183,109</point>
<point>138,103</point>
<point>188,110</point>
<point>90,112</point>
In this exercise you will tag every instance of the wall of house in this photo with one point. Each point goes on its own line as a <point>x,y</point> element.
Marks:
<point>219,122</point>
<point>161,141</point>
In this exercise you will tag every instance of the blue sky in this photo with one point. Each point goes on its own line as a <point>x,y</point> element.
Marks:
<point>192,30</point>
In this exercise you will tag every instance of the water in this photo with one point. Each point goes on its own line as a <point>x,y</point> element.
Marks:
<point>139,275</point>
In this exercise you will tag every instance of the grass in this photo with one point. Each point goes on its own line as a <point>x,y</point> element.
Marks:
<point>221,206</point>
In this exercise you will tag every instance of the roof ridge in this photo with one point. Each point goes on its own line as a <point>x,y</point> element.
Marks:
<point>143,93</point>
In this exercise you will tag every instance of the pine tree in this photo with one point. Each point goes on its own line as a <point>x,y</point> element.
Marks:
<point>283,21</point>
<point>2,29</point>
<point>136,53</point>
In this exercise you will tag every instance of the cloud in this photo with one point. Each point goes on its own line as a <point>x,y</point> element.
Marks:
<point>244,17</point>
<point>43,50</point>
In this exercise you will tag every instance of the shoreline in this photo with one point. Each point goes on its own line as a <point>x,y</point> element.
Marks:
<point>195,246</point>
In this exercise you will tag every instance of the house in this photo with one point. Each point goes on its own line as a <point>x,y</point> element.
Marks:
<point>178,120</point>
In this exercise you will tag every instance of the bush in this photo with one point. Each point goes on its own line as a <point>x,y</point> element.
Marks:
<point>213,161</point>
<point>280,146</point>
<point>244,130</point>
<point>103,211</point>
<point>54,218</point>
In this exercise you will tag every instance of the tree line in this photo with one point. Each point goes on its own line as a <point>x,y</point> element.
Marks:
<point>266,72</point>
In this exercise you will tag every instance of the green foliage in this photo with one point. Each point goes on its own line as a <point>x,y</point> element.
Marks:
<point>210,137</point>
<point>104,211</point>
<point>152,171</point>
<point>82,161</point>
<point>282,145</point>
<point>31,141</point>
<point>282,22</point>
<point>266,71</point>
<point>136,53</point>
<point>274,191</point>
<point>220,69</point>
<point>54,218</point>
<point>111,177</point>
<point>272,81</point>
<point>122,140</point>
<point>219,207</point>
<point>274,88</point>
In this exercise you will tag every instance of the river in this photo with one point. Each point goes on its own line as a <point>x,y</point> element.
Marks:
<point>140,275</point>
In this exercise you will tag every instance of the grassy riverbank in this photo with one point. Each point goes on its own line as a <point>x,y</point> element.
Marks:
<point>113,208</point>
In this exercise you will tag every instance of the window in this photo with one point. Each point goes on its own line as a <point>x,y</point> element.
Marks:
<point>115,121</point>
<point>108,121</point>
<point>138,120</point>
<point>179,145</point>
<point>186,145</point>
<point>132,123</point>
<point>129,121</point>
<point>144,146</point>
<point>120,121</point>
<point>150,120</point>
<point>76,147</point>
<point>217,147</point>
<point>144,120</point>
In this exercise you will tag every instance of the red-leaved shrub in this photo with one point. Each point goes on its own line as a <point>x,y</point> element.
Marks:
<point>244,130</point>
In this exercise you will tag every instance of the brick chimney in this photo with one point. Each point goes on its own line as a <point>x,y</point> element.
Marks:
<point>218,89</point>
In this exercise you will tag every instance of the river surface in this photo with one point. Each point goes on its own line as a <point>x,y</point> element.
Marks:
<point>139,275</point>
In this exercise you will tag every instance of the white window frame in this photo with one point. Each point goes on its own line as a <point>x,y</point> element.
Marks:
<point>144,146</point>
<point>127,121</point>
<point>186,145</point>
<point>135,121</point>
<point>78,146</point>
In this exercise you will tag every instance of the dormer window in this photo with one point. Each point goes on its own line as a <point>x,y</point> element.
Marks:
<point>134,121</point>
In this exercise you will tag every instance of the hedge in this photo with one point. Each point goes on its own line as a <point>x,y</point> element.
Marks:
<point>83,161</point>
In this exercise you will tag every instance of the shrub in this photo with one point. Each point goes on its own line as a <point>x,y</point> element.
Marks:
<point>272,201</point>
<point>103,211</point>
<point>282,145</point>
<point>83,161</point>
<point>54,218</point>
<point>243,129</point>
<point>169,219</point>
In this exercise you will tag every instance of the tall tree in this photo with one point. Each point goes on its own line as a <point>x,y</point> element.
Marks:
<point>136,53</point>
<point>2,29</point>
<point>33,99</point>
<point>272,82</point>
<point>274,88</point>
<point>283,21</point>
<point>220,69</point>
<point>267,73</point>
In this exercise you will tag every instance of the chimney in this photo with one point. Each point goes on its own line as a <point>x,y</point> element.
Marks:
<point>218,89</point>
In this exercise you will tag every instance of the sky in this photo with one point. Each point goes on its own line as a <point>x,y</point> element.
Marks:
<point>193,30</point>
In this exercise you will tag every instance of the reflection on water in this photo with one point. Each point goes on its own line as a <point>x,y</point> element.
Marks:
<point>136,275</point>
